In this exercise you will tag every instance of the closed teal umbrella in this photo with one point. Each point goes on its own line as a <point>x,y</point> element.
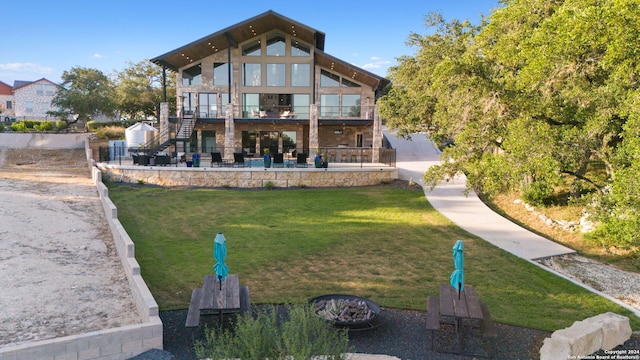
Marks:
<point>220,255</point>
<point>457,277</point>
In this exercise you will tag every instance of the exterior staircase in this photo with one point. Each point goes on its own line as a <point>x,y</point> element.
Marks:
<point>183,134</point>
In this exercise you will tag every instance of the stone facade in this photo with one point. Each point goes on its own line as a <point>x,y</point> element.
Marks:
<point>32,101</point>
<point>248,177</point>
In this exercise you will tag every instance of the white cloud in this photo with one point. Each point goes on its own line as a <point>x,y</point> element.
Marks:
<point>26,68</point>
<point>376,63</point>
<point>98,56</point>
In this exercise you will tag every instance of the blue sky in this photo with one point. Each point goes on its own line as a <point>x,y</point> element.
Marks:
<point>44,38</point>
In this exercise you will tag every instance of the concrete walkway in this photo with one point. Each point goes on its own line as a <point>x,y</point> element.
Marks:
<point>415,156</point>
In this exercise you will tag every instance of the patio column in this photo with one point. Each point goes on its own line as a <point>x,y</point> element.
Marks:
<point>229,130</point>
<point>164,121</point>
<point>313,128</point>
<point>377,135</point>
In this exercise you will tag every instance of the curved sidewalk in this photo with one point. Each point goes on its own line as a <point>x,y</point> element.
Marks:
<point>415,156</point>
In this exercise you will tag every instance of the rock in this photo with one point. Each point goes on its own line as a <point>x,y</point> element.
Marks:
<point>604,331</point>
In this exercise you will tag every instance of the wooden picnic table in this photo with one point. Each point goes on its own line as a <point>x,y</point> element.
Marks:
<point>458,308</point>
<point>217,297</point>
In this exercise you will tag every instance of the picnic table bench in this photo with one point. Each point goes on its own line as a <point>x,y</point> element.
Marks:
<point>458,309</point>
<point>216,297</point>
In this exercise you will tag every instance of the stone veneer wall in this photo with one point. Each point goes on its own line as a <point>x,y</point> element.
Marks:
<point>110,344</point>
<point>248,177</point>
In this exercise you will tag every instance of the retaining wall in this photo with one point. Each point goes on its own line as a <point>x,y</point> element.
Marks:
<point>110,344</point>
<point>42,141</point>
<point>248,177</point>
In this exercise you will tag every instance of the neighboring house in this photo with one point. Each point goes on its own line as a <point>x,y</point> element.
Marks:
<point>6,102</point>
<point>33,99</point>
<point>266,82</point>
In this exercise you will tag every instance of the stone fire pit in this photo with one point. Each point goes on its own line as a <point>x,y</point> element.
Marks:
<point>352,312</point>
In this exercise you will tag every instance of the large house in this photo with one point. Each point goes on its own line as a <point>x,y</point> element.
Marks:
<point>29,100</point>
<point>266,83</point>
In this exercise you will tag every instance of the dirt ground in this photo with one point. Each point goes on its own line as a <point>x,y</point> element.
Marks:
<point>59,271</point>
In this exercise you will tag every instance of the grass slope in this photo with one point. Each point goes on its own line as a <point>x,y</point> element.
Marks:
<point>384,243</point>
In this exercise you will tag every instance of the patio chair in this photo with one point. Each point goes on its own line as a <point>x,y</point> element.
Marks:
<point>238,159</point>
<point>216,158</point>
<point>278,160</point>
<point>301,160</point>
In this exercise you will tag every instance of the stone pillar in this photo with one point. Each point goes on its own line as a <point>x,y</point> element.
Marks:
<point>229,131</point>
<point>377,135</point>
<point>164,121</point>
<point>314,144</point>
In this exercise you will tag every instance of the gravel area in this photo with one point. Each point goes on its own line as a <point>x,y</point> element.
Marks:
<point>608,279</point>
<point>402,334</point>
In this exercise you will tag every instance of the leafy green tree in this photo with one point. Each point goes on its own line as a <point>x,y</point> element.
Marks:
<point>139,90</point>
<point>532,98</point>
<point>84,93</point>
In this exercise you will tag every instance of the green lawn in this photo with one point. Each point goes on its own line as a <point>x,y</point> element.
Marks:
<point>384,243</point>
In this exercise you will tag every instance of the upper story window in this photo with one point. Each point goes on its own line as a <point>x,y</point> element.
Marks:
<point>300,75</point>
<point>251,74</point>
<point>276,75</point>
<point>221,74</point>
<point>192,75</point>
<point>349,83</point>
<point>9,104</point>
<point>252,49</point>
<point>328,79</point>
<point>49,89</point>
<point>299,49</point>
<point>276,44</point>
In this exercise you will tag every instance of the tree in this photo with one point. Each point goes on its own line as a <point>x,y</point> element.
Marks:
<point>532,99</point>
<point>84,92</point>
<point>139,90</point>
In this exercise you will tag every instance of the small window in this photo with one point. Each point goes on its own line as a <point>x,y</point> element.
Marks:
<point>299,49</point>
<point>276,45</point>
<point>9,105</point>
<point>221,74</point>
<point>252,49</point>
<point>349,83</point>
<point>192,75</point>
<point>328,79</point>
<point>39,89</point>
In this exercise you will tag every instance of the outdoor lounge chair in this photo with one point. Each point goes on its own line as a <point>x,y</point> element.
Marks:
<point>238,159</point>
<point>216,158</point>
<point>301,160</point>
<point>278,160</point>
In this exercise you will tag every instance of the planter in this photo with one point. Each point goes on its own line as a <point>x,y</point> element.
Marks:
<point>267,161</point>
<point>317,161</point>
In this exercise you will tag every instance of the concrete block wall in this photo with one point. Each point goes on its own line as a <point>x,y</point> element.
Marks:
<point>109,344</point>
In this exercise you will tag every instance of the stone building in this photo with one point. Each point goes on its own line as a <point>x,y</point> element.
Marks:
<point>266,83</point>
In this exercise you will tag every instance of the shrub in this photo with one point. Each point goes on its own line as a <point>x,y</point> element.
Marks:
<point>267,336</point>
<point>269,185</point>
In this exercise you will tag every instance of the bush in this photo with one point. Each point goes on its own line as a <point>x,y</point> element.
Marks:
<point>267,336</point>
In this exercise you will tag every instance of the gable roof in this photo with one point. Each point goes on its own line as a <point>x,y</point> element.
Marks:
<point>5,89</point>
<point>250,28</point>
<point>22,83</point>
<point>235,34</point>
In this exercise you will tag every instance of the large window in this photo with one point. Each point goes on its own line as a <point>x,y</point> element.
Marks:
<point>221,74</point>
<point>276,44</point>
<point>188,103</point>
<point>252,49</point>
<point>301,105</point>
<point>299,49</point>
<point>351,105</point>
<point>349,83</point>
<point>328,79</point>
<point>276,75</point>
<point>192,75</point>
<point>329,105</point>
<point>208,105</point>
<point>252,74</point>
<point>300,74</point>
<point>224,100</point>
<point>251,104</point>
